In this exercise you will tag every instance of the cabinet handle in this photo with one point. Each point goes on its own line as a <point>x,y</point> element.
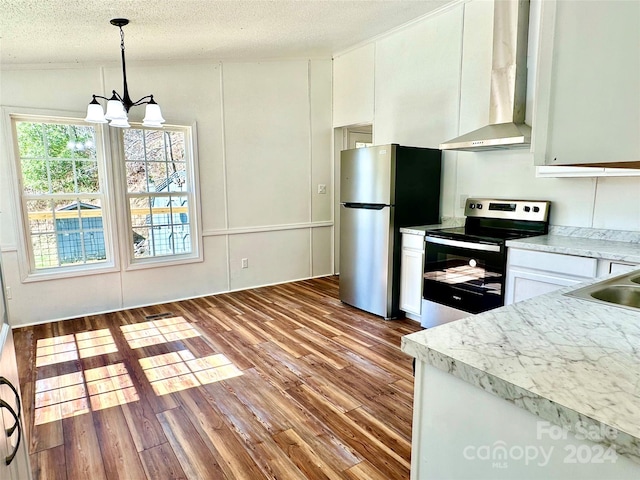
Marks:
<point>4,381</point>
<point>9,431</point>
<point>16,418</point>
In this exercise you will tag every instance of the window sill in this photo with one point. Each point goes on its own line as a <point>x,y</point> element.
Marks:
<point>141,264</point>
<point>62,273</point>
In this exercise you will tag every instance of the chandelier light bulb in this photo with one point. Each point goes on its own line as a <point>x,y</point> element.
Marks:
<point>115,109</point>
<point>95,113</point>
<point>153,115</point>
<point>119,123</point>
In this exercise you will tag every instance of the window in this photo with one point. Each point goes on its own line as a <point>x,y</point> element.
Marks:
<point>61,193</point>
<point>160,193</point>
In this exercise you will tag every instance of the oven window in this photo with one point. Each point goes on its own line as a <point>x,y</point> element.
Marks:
<point>469,280</point>
<point>465,272</point>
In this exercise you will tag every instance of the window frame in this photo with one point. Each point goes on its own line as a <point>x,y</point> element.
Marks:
<point>193,196</point>
<point>26,258</point>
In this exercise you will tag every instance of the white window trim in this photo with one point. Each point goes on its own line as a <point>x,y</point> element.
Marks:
<point>124,218</point>
<point>11,114</point>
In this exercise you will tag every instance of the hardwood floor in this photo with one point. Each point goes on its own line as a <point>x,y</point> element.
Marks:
<point>281,382</point>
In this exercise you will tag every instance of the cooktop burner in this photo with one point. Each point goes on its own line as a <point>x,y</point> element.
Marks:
<point>481,235</point>
<point>496,221</point>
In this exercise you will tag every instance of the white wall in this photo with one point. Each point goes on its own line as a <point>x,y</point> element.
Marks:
<point>264,143</point>
<point>432,83</point>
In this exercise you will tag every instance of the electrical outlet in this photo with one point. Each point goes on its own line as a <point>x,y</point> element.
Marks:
<point>322,188</point>
<point>8,293</point>
<point>245,263</point>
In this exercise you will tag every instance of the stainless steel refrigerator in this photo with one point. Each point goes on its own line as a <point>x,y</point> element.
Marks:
<point>382,189</point>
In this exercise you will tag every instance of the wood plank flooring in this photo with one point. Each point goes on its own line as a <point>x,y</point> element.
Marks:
<point>281,382</point>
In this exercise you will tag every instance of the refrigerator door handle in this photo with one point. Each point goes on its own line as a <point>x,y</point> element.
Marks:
<point>368,206</point>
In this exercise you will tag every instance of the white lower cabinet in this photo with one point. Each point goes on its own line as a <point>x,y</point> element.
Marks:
<point>462,432</point>
<point>531,273</point>
<point>411,271</point>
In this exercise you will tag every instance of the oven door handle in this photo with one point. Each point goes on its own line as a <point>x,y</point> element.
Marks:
<point>457,243</point>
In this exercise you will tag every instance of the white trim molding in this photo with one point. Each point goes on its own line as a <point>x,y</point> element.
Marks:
<point>269,228</point>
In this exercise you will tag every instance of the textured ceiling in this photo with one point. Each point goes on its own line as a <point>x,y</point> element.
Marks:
<point>78,31</point>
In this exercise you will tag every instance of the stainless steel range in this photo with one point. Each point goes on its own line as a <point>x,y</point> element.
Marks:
<point>465,267</point>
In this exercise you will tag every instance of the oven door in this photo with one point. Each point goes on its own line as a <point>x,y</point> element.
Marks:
<point>465,275</point>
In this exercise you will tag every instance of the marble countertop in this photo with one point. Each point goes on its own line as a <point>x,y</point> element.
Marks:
<point>615,246</point>
<point>569,361</point>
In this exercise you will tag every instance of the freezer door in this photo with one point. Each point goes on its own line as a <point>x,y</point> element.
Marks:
<point>366,175</point>
<point>366,258</point>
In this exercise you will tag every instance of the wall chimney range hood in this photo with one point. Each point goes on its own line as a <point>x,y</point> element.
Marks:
<point>506,129</point>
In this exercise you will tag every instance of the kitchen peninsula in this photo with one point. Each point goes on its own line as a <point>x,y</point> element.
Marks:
<point>545,388</point>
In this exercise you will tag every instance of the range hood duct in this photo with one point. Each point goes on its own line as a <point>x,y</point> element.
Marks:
<point>506,127</point>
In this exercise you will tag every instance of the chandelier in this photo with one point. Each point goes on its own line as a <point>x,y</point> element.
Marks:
<point>118,105</point>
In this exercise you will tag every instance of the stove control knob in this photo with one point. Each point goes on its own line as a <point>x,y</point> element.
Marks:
<point>527,209</point>
<point>536,209</point>
<point>472,206</point>
<point>479,206</point>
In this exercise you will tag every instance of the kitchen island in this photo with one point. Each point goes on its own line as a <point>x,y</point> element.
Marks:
<point>545,388</point>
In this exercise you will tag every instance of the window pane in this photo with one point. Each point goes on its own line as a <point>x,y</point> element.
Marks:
<point>154,146</point>
<point>178,177</point>
<point>180,210</point>
<point>30,140</point>
<point>87,176</point>
<point>40,216</point>
<point>35,176</point>
<point>45,250</point>
<point>175,146</point>
<point>140,209</point>
<point>136,177</point>
<point>62,174</point>
<point>157,177</point>
<point>133,144</point>
<point>141,242</point>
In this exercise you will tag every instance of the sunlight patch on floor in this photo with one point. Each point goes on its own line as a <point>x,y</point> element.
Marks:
<point>76,393</point>
<point>175,371</point>
<point>66,348</point>
<point>155,332</point>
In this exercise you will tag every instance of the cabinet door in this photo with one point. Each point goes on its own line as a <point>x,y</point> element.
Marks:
<point>589,72</point>
<point>19,469</point>
<point>523,284</point>
<point>411,267</point>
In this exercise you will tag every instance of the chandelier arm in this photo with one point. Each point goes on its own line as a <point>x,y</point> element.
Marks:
<point>143,100</point>
<point>100,96</point>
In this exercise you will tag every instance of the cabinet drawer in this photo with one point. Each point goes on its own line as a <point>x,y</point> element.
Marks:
<point>415,242</point>
<point>554,262</point>
<point>617,267</point>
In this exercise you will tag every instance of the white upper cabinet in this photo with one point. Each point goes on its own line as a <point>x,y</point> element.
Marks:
<point>588,86</point>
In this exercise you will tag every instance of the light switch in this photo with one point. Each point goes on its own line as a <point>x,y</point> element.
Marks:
<point>322,188</point>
